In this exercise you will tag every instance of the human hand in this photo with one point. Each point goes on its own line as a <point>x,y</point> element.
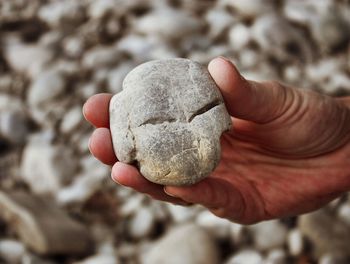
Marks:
<point>288,152</point>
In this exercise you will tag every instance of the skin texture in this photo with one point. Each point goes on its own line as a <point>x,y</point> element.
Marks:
<point>288,154</point>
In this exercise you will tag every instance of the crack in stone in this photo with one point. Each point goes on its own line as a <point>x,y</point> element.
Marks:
<point>204,109</point>
<point>158,120</point>
<point>133,152</point>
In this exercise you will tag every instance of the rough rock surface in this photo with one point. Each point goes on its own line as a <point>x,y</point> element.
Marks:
<point>169,119</point>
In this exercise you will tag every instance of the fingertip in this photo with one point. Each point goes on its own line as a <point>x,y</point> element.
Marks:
<point>96,109</point>
<point>125,174</point>
<point>231,83</point>
<point>101,146</point>
<point>222,69</point>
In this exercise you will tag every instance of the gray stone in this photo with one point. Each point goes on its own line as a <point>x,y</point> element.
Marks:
<point>330,29</point>
<point>144,48</point>
<point>42,226</point>
<point>14,126</point>
<point>100,57</point>
<point>64,13</point>
<point>169,119</point>
<point>249,8</point>
<point>167,23</point>
<point>283,35</point>
<point>45,167</point>
<point>187,244</point>
<point>29,59</point>
<point>327,234</point>
<point>99,9</point>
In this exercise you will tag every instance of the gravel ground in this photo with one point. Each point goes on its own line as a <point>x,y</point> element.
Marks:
<point>58,204</point>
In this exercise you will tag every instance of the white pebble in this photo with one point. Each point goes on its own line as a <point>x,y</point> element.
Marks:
<point>131,205</point>
<point>248,58</point>
<point>269,234</point>
<point>237,233</point>
<point>100,57</point>
<point>142,223</point>
<point>116,76</point>
<point>11,251</point>
<point>344,213</point>
<point>28,59</point>
<point>46,167</point>
<point>62,12</point>
<point>144,48</point>
<point>292,73</point>
<point>218,20</point>
<point>276,256</point>
<point>73,47</point>
<point>295,242</point>
<point>71,119</point>
<point>239,36</point>
<point>245,256</point>
<point>180,213</point>
<point>98,9</point>
<point>217,226</point>
<point>87,90</point>
<point>47,86</point>
<point>167,23</point>
<point>249,8</point>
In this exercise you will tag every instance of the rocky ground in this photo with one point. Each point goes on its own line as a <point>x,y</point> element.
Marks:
<point>58,204</point>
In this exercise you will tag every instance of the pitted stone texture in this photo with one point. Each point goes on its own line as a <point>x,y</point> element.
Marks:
<point>168,119</point>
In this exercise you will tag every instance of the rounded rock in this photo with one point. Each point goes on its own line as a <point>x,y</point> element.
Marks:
<point>168,120</point>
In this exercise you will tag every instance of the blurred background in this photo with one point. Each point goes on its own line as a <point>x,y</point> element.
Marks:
<point>59,205</point>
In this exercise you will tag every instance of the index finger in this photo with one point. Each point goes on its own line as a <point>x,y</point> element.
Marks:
<point>96,109</point>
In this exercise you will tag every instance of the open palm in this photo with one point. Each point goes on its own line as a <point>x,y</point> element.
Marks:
<point>288,152</point>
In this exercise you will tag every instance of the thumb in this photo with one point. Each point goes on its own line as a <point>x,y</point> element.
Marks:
<point>260,102</point>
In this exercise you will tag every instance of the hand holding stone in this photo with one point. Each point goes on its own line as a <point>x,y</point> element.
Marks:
<point>168,119</point>
<point>289,151</point>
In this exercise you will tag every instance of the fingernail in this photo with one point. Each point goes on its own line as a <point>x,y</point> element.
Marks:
<point>89,144</point>
<point>115,179</point>
<point>168,193</point>
<point>224,58</point>
<point>83,111</point>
